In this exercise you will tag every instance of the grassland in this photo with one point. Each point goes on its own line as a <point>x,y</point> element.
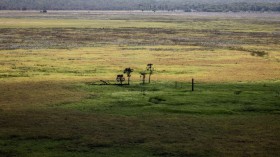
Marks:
<point>50,63</point>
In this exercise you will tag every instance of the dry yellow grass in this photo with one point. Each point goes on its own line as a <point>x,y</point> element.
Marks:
<point>171,63</point>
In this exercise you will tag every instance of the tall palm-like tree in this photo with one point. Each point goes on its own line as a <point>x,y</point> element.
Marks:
<point>128,72</point>
<point>150,69</point>
<point>143,76</point>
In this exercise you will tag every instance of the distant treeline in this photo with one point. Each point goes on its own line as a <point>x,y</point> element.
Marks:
<point>154,5</point>
<point>234,7</point>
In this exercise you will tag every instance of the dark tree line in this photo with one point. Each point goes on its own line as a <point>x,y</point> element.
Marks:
<point>234,7</point>
<point>154,5</point>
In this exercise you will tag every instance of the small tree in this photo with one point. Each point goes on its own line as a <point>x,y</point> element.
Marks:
<point>150,69</point>
<point>128,72</point>
<point>143,76</point>
<point>120,79</point>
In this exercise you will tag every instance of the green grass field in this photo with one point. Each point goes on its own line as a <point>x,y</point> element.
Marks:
<point>51,103</point>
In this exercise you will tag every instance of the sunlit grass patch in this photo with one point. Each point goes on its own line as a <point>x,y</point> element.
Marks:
<point>171,62</point>
<point>80,23</point>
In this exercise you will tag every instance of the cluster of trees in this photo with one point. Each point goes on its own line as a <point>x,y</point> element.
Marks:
<point>120,78</point>
<point>186,5</point>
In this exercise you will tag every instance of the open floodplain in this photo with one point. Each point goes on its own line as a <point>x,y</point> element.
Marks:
<point>51,65</point>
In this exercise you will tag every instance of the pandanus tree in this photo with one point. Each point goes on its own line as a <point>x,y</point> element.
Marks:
<point>128,72</point>
<point>120,79</point>
<point>143,76</point>
<point>150,69</point>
